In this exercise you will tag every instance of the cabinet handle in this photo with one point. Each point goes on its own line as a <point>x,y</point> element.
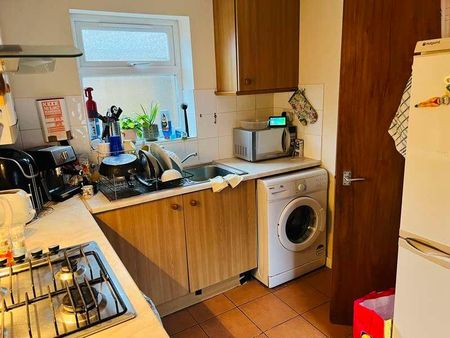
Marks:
<point>247,81</point>
<point>175,206</point>
<point>194,203</point>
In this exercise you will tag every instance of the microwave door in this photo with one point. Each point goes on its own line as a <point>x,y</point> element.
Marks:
<point>270,143</point>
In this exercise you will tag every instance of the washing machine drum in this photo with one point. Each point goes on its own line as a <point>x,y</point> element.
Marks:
<point>300,223</point>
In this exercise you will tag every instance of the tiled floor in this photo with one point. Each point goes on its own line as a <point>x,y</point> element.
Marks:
<point>296,309</point>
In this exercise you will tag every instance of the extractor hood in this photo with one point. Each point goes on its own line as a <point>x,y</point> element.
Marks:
<point>33,59</point>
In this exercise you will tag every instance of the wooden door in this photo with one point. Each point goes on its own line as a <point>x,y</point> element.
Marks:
<point>268,45</point>
<point>221,234</point>
<point>150,240</point>
<point>378,42</point>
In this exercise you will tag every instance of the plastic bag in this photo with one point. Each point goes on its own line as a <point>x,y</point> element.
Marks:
<point>372,315</point>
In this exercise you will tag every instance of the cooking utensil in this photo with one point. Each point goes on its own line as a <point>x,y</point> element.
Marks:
<point>122,165</point>
<point>161,155</point>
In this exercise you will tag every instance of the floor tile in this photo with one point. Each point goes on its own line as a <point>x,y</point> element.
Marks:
<point>230,324</point>
<point>320,318</point>
<point>281,286</point>
<point>267,312</point>
<point>301,296</point>
<point>210,308</point>
<point>321,281</point>
<point>295,328</point>
<point>194,332</point>
<point>247,292</point>
<point>178,321</point>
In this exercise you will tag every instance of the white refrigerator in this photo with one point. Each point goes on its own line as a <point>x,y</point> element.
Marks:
<point>422,301</point>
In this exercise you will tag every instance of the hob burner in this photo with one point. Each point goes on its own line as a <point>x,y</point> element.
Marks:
<point>69,292</point>
<point>65,274</point>
<point>78,301</point>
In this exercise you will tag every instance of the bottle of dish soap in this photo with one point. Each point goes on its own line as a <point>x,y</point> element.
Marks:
<point>166,124</point>
<point>93,121</point>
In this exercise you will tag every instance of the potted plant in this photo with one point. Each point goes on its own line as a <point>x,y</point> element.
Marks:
<point>128,127</point>
<point>147,123</point>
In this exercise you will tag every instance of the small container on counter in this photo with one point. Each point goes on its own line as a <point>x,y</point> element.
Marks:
<point>299,148</point>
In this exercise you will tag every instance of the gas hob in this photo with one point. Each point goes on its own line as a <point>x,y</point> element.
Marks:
<point>68,292</point>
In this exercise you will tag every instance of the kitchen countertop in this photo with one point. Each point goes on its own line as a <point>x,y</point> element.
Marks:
<point>99,203</point>
<point>70,223</point>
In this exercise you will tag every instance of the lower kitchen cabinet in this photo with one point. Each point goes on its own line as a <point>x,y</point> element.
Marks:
<point>178,245</point>
<point>220,234</point>
<point>150,240</point>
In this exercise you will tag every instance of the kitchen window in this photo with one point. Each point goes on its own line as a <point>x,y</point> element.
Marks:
<point>132,61</point>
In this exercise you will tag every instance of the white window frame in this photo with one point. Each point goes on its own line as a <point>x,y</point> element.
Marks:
<point>123,21</point>
<point>168,29</point>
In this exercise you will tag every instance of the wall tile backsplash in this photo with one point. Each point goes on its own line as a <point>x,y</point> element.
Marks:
<point>312,133</point>
<point>215,117</point>
<point>226,104</point>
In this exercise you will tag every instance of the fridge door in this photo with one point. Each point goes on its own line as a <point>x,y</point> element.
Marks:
<point>422,291</point>
<point>426,198</point>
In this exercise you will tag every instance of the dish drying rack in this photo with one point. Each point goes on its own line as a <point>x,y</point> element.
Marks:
<point>122,187</point>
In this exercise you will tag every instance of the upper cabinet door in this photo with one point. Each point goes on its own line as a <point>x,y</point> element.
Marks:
<point>268,44</point>
<point>256,45</point>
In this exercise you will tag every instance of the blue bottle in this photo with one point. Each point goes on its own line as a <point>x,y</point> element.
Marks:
<point>166,124</point>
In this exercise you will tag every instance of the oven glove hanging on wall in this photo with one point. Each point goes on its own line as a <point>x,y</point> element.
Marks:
<point>399,126</point>
<point>303,109</point>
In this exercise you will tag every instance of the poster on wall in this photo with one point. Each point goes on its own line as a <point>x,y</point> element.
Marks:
<point>54,119</point>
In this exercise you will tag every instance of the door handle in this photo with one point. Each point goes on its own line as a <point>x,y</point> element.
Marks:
<point>427,250</point>
<point>347,178</point>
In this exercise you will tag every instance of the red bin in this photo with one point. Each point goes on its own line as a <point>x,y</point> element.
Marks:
<point>372,315</point>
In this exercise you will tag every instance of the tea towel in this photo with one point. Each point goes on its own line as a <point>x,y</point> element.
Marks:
<point>399,126</point>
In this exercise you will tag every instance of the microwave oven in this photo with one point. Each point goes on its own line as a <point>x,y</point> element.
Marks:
<point>258,145</point>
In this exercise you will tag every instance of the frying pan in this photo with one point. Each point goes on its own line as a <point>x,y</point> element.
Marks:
<point>122,165</point>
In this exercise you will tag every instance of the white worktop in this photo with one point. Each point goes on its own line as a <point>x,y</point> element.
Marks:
<point>70,223</point>
<point>99,203</point>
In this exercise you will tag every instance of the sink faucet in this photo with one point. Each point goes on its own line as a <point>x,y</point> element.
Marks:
<point>189,156</point>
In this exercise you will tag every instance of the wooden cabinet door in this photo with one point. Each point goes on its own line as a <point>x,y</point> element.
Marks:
<point>268,44</point>
<point>221,234</point>
<point>150,240</point>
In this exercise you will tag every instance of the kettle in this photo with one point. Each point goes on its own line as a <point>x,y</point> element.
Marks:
<point>21,206</point>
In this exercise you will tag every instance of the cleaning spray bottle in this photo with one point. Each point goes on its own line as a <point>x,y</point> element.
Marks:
<point>93,121</point>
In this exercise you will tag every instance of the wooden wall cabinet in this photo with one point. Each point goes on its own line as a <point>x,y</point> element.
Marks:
<point>256,45</point>
<point>221,234</point>
<point>150,240</point>
<point>178,245</point>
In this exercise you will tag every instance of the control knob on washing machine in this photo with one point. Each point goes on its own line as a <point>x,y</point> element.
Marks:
<point>301,187</point>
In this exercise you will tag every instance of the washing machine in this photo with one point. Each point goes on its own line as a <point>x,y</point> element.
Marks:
<point>291,225</point>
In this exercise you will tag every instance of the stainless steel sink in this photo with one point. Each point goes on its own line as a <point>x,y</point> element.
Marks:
<point>204,172</point>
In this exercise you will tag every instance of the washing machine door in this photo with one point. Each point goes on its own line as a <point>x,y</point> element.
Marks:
<point>300,223</point>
